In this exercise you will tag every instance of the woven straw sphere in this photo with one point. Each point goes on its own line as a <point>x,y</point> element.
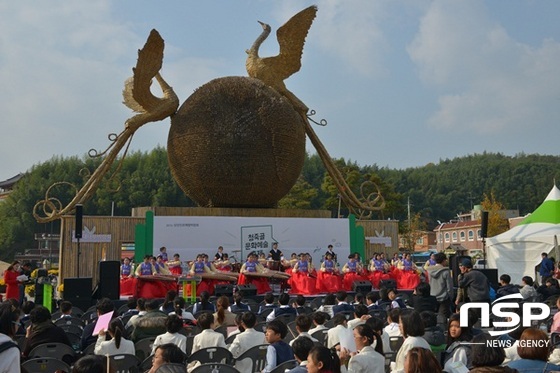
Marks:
<point>236,143</point>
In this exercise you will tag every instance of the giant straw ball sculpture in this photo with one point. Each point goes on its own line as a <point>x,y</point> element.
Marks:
<point>236,142</point>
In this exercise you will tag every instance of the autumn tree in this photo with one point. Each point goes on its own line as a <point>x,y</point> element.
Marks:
<point>496,222</point>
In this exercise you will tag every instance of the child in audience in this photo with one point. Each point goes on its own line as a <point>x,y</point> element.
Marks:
<point>278,351</point>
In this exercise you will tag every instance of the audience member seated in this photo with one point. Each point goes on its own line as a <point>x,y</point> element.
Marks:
<point>422,300</point>
<point>412,330</point>
<point>319,319</point>
<point>268,303</point>
<point>245,340</point>
<point>421,360</point>
<point>151,324</point>
<point>367,359</point>
<point>396,301</point>
<point>132,304</point>
<point>239,324</point>
<point>141,308</point>
<point>278,351</point>
<point>360,316</point>
<point>487,359</point>
<point>303,324</point>
<point>204,304</point>
<point>179,310</point>
<point>333,334</point>
<point>42,330</point>
<point>506,288</point>
<point>223,316</point>
<point>328,303</point>
<point>238,305</point>
<point>284,300</point>
<point>433,334</point>
<point>65,309</point>
<point>173,324</point>
<point>549,289</point>
<point>555,327</point>
<point>117,344</point>
<point>26,308</point>
<point>371,300</point>
<point>104,305</point>
<point>10,355</point>
<point>300,306</point>
<point>528,290</point>
<point>323,360</point>
<point>92,364</point>
<point>301,347</point>
<point>207,337</point>
<point>167,305</point>
<point>167,353</point>
<point>392,328</point>
<point>533,349</point>
<point>377,325</point>
<point>342,305</point>
<point>456,350</point>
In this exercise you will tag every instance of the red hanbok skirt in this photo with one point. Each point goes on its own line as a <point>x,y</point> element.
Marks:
<point>128,285</point>
<point>176,270</point>
<point>375,277</point>
<point>328,282</point>
<point>261,283</point>
<point>407,279</point>
<point>302,283</point>
<point>349,279</point>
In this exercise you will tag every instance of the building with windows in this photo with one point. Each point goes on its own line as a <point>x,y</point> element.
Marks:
<point>7,186</point>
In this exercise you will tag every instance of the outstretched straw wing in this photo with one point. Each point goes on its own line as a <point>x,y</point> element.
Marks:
<point>137,94</point>
<point>291,38</point>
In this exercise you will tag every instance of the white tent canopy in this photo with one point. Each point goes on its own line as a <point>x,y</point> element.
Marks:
<point>517,251</point>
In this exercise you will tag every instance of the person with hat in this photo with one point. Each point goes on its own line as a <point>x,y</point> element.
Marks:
<point>473,284</point>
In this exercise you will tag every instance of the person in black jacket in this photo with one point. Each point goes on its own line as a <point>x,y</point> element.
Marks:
<point>422,300</point>
<point>506,288</point>
<point>42,330</point>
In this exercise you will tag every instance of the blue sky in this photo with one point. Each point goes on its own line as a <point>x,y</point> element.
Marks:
<point>401,83</point>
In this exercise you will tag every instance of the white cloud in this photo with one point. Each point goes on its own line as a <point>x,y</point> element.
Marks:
<point>488,83</point>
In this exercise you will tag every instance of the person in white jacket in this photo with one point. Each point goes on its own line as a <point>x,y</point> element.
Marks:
<point>173,325</point>
<point>10,354</point>
<point>367,359</point>
<point>117,345</point>
<point>245,340</point>
<point>412,330</point>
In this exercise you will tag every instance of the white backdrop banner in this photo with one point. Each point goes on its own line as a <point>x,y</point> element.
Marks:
<point>191,235</point>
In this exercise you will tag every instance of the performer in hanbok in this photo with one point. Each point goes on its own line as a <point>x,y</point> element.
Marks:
<point>175,265</point>
<point>200,267</point>
<point>251,266</point>
<point>395,261</point>
<point>302,280</point>
<point>161,266</point>
<point>407,277</point>
<point>352,272</point>
<point>329,279</point>
<point>163,253</point>
<point>223,265</point>
<point>378,270</point>
<point>146,268</point>
<point>262,259</point>
<point>430,262</point>
<point>289,264</point>
<point>128,283</point>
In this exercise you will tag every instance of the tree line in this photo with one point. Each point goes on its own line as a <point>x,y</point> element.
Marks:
<point>434,191</point>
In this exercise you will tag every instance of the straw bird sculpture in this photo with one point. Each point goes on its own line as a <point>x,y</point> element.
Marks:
<point>138,97</point>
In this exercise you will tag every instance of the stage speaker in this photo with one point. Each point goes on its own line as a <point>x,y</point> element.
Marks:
<point>248,290</point>
<point>484,224</point>
<point>109,282</point>
<point>77,290</point>
<point>492,276</point>
<point>361,286</point>
<point>78,226</point>
<point>223,289</point>
<point>454,261</point>
<point>389,283</point>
